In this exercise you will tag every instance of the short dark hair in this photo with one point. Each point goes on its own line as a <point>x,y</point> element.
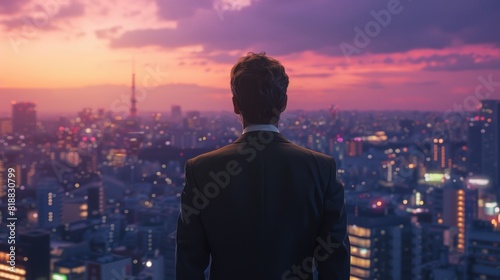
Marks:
<point>259,84</point>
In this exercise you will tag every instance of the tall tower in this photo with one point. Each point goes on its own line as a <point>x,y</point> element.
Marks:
<point>23,117</point>
<point>483,143</point>
<point>133,100</point>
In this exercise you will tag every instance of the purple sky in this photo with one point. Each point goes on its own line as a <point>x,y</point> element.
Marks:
<point>385,55</point>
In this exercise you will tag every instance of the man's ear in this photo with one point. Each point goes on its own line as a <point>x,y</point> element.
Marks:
<point>284,103</point>
<point>235,106</point>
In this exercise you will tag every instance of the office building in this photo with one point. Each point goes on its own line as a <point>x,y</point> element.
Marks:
<point>5,126</point>
<point>484,143</point>
<point>354,148</point>
<point>108,267</point>
<point>455,206</point>
<point>32,257</point>
<point>483,251</point>
<point>69,270</point>
<point>176,114</point>
<point>381,247</point>
<point>440,154</point>
<point>429,251</point>
<point>49,196</point>
<point>95,200</point>
<point>23,117</point>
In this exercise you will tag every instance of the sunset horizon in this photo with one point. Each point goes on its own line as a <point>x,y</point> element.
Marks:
<point>65,55</point>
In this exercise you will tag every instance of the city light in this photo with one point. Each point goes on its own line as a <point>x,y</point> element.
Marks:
<point>479,182</point>
<point>120,178</point>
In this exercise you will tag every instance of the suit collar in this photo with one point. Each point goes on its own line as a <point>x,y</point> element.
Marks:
<point>266,127</point>
<point>276,137</point>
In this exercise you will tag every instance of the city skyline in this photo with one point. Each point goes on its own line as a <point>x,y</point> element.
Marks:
<point>108,110</point>
<point>100,193</point>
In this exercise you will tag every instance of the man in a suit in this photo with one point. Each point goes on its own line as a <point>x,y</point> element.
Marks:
<point>262,208</point>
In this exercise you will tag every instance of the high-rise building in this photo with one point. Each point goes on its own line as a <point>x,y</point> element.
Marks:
<point>440,154</point>
<point>5,126</point>
<point>429,251</point>
<point>484,143</point>
<point>474,147</point>
<point>407,128</point>
<point>74,209</point>
<point>49,195</point>
<point>381,243</point>
<point>184,139</point>
<point>95,201</point>
<point>32,257</point>
<point>490,115</point>
<point>108,267</point>
<point>24,173</point>
<point>487,203</point>
<point>354,148</point>
<point>380,248</point>
<point>192,120</point>
<point>23,117</point>
<point>455,206</point>
<point>3,178</point>
<point>482,252</point>
<point>176,114</point>
<point>169,254</point>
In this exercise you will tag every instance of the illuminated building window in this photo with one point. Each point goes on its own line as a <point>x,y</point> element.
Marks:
<point>360,242</point>
<point>360,252</point>
<point>359,231</point>
<point>443,157</point>
<point>435,153</point>
<point>360,272</point>
<point>360,262</point>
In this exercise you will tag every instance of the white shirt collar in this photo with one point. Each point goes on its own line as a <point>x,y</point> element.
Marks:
<point>260,127</point>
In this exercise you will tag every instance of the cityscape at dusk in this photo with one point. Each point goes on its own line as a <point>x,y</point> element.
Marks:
<point>103,102</point>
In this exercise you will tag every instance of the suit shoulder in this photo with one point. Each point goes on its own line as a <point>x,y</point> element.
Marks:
<point>313,153</point>
<point>215,154</point>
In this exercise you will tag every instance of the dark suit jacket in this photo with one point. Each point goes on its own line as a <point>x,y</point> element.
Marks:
<point>262,208</point>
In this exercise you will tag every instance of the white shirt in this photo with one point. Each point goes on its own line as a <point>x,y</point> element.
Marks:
<point>260,127</point>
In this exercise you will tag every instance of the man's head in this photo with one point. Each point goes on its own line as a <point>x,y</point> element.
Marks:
<point>259,84</point>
